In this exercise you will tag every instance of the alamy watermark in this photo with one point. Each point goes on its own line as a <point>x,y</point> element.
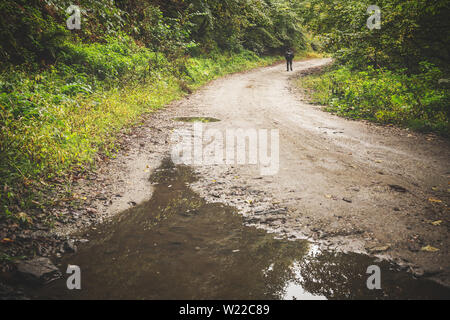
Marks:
<point>200,147</point>
<point>374,21</point>
<point>74,21</point>
<point>74,281</point>
<point>374,281</point>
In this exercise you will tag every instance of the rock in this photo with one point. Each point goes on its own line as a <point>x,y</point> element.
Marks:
<point>253,220</point>
<point>10,293</point>
<point>398,188</point>
<point>40,226</point>
<point>322,235</point>
<point>38,234</point>
<point>24,236</point>
<point>414,247</point>
<point>275,212</point>
<point>40,270</point>
<point>379,249</point>
<point>69,246</point>
<point>91,211</point>
<point>417,272</point>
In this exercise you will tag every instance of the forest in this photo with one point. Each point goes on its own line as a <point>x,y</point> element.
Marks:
<point>65,94</point>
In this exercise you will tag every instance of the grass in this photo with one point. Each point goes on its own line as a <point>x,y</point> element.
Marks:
<point>310,55</point>
<point>419,101</point>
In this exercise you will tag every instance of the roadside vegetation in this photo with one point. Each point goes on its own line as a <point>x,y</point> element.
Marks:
<point>398,74</point>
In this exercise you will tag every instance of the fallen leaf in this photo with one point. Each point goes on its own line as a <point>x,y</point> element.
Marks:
<point>430,249</point>
<point>7,240</point>
<point>24,217</point>
<point>435,200</point>
<point>437,223</point>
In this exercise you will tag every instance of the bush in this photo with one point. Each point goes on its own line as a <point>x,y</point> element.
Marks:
<point>419,101</point>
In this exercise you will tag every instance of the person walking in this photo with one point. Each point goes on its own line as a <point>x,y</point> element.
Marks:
<point>289,59</point>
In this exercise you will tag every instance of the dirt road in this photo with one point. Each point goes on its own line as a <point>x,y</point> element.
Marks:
<point>351,185</point>
<point>348,185</point>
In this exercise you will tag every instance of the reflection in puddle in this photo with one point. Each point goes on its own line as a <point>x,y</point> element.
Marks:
<point>177,246</point>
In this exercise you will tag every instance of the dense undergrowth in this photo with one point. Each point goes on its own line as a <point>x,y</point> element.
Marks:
<point>420,101</point>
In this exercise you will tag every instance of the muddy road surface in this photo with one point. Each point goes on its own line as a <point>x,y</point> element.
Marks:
<point>348,184</point>
<point>179,246</point>
<point>345,195</point>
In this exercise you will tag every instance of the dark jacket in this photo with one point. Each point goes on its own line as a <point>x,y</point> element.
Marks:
<point>289,55</point>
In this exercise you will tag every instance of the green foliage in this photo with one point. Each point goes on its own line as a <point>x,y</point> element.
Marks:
<point>83,69</point>
<point>118,59</point>
<point>381,75</point>
<point>204,25</point>
<point>411,31</point>
<point>27,34</point>
<point>34,31</point>
<point>418,101</point>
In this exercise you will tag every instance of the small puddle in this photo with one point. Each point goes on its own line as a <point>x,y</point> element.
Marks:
<point>177,246</point>
<point>196,119</point>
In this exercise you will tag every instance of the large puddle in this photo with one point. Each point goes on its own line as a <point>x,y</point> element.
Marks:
<point>177,246</point>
